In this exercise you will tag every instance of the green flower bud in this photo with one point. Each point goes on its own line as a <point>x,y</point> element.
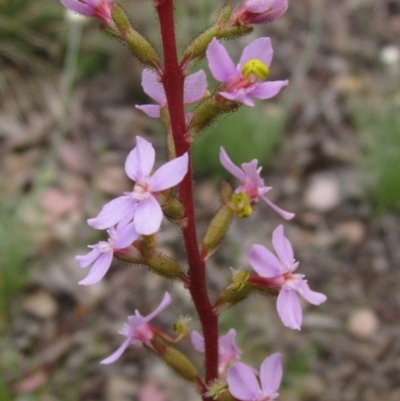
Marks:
<point>176,360</point>
<point>238,290</point>
<point>173,210</point>
<point>216,231</point>
<point>223,15</point>
<point>138,44</point>
<point>208,111</point>
<point>163,265</point>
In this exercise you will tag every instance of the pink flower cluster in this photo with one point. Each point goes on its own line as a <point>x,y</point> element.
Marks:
<point>135,213</point>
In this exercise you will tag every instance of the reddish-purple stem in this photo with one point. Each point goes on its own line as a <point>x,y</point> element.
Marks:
<point>173,81</point>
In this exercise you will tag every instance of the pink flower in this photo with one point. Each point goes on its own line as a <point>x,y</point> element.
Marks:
<point>101,255</point>
<point>279,272</point>
<point>137,330</point>
<point>243,382</point>
<point>194,90</point>
<point>229,352</point>
<point>260,11</point>
<point>100,9</point>
<point>253,185</point>
<point>242,83</point>
<point>141,204</point>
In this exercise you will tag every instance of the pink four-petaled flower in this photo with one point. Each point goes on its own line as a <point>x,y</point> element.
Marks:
<point>101,255</point>
<point>100,9</point>
<point>228,350</point>
<point>244,385</point>
<point>252,183</point>
<point>261,11</point>
<point>141,204</point>
<point>242,82</point>
<point>138,330</point>
<point>195,88</point>
<point>280,274</point>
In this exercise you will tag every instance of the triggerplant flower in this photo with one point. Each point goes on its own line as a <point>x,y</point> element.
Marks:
<point>100,9</point>
<point>138,330</point>
<point>252,183</point>
<point>260,11</point>
<point>243,82</point>
<point>100,257</point>
<point>229,352</point>
<point>195,88</point>
<point>140,204</point>
<point>243,383</point>
<point>279,272</point>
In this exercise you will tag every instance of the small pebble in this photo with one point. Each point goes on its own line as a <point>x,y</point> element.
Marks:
<point>363,323</point>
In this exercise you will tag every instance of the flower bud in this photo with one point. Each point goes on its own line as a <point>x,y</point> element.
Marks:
<point>173,210</point>
<point>259,11</point>
<point>223,15</point>
<point>175,360</point>
<point>216,231</point>
<point>208,111</point>
<point>221,29</point>
<point>238,290</point>
<point>163,265</point>
<point>138,44</point>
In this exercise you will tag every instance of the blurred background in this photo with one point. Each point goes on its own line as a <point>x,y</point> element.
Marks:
<point>329,145</point>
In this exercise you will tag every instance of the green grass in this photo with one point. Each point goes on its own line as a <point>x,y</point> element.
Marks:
<point>246,135</point>
<point>14,250</point>
<point>380,138</point>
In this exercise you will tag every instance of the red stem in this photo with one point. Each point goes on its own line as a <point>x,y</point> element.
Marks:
<point>173,81</point>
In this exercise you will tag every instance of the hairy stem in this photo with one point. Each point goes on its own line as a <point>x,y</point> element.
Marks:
<point>173,81</point>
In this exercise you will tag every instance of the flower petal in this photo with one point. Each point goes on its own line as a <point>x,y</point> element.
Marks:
<point>148,216</point>
<point>98,270</point>
<point>289,308</point>
<point>195,87</point>
<point>281,212</point>
<point>279,8</point>
<point>163,304</point>
<point>253,174</point>
<point>282,246</point>
<point>238,96</point>
<point>112,358</point>
<point>170,174</point>
<point>228,349</point>
<point>259,49</point>
<point>197,340</point>
<point>140,160</point>
<point>228,164</point>
<point>219,62</point>
<point>152,110</point>
<point>271,374</point>
<point>315,298</point>
<point>242,382</point>
<point>153,87</point>
<point>126,236</point>
<point>258,6</point>
<point>113,212</point>
<point>78,7</point>
<point>88,259</point>
<point>266,90</point>
<point>264,262</point>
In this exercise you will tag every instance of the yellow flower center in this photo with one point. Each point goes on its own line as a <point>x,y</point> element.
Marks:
<point>255,67</point>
